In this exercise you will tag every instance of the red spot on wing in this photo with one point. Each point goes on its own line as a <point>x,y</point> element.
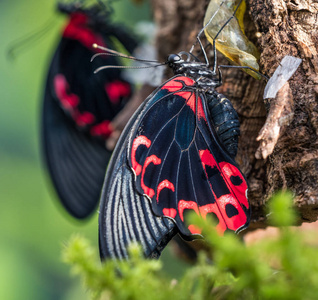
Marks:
<point>116,90</point>
<point>183,204</point>
<point>170,212</point>
<point>175,84</point>
<point>83,119</point>
<point>140,140</point>
<point>77,29</point>
<point>200,112</point>
<point>213,208</point>
<point>236,221</point>
<point>188,81</point>
<point>103,129</point>
<point>195,103</point>
<point>194,229</point>
<point>236,197</point>
<point>240,191</point>
<point>156,161</point>
<point>207,158</point>
<point>164,184</point>
<point>67,99</point>
<point>201,211</point>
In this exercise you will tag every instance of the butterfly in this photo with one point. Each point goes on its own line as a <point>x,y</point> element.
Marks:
<point>79,106</point>
<point>175,155</point>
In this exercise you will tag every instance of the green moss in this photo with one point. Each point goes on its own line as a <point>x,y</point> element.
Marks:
<point>282,268</point>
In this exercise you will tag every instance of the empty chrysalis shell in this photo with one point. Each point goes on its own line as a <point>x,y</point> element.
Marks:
<point>232,41</point>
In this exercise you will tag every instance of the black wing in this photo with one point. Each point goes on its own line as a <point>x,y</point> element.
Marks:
<point>169,161</point>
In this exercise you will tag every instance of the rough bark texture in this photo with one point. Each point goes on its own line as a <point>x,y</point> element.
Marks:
<point>278,28</point>
<point>290,28</point>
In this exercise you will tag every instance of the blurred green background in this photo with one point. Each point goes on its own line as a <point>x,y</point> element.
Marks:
<point>33,225</point>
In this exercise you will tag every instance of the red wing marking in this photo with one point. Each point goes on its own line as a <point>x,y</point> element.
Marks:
<point>188,81</point>
<point>170,212</point>
<point>116,90</point>
<point>240,191</point>
<point>61,87</point>
<point>213,208</point>
<point>194,229</point>
<point>200,112</point>
<point>201,211</point>
<point>183,204</point>
<point>164,184</point>
<point>103,129</point>
<point>192,103</point>
<point>77,29</point>
<point>236,221</point>
<point>156,161</point>
<point>140,140</point>
<point>175,84</point>
<point>83,119</point>
<point>235,198</point>
<point>190,99</point>
<point>207,159</point>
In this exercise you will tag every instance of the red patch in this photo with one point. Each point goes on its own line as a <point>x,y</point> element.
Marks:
<point>200,112</point>
<point>103,129</point>
<point>193,103</point>
<point>183,204</point>
<point>140,140</point>
<point>169,212</point>
<point>117,90</point>
<point>175,84</point>
<point>188,81</point>
<point>164,184</point>
<point>194,229</point>
<point>236,197</point>
<point>67,99</point>
<point>239,191</point>
<point>84,119</point>
<point>77,29</point>
<point>156,161</point>
<point>213,208</point>
<point>207,158</point>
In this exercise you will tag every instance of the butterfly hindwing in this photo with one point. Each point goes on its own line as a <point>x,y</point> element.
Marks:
<point>125,215</point>
<point>175,164</point>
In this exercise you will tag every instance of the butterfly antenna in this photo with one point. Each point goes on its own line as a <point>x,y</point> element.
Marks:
<point>200,33</point>
<point>128,67</point>
<point>118,54</point>
<point>18,45</point>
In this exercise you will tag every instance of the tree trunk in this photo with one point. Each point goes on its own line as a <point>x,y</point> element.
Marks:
<point>278,28</point>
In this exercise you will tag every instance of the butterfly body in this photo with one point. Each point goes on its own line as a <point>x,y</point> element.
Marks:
<point>169,161</point>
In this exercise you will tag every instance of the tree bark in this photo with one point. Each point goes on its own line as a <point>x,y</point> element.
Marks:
<point>278,28</point>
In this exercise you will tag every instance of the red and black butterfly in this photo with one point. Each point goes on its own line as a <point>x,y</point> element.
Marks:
<point>79,106</point>
<point>175,155</point>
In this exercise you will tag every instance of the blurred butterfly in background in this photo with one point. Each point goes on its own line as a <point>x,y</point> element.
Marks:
<point>79,106</point>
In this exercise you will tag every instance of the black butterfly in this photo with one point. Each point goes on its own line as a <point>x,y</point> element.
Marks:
<point>79,105</point>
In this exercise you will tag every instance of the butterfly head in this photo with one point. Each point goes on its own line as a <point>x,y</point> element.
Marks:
<point>187,64</point>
